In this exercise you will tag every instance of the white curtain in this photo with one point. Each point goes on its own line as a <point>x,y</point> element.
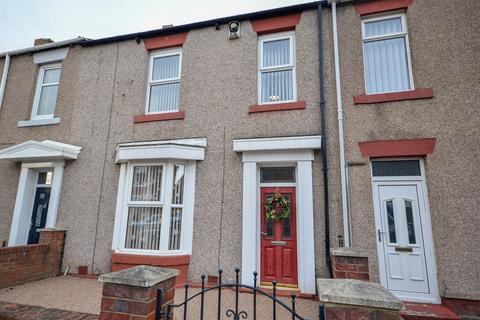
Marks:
<point>165,97</point>
<point>382,27</point>
<point>276,85</point>
<point>48,100</point>
<point>165,67</point>
<point>276,53</point>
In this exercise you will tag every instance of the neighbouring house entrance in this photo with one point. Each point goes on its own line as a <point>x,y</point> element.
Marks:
<point>40,206</point>
<point>403,230</point>
<point>278,253</point>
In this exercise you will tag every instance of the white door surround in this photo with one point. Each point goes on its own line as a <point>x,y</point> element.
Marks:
<point>36,157</point>
<point>407,266</point>
<point>296,151</point>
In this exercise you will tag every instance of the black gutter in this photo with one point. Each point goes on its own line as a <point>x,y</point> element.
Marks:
<point>323,143</point>
<point>208,23</point>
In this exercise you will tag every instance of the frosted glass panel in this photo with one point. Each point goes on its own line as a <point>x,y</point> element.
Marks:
<point>164,97</point>
<point>166,67</point>
<point>147,183</point>
<point>143,228</point>
<point>175,229</point>
<point>276,53</point>
<point>377,28</point>
<point>277,86</point>
<point>386,66</point>
<point>48,100</point>
<point>52,76</point>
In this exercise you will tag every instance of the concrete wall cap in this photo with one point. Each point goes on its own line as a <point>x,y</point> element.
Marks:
<point>53,229</point>
<point>348,252</point>
<point>356,292</point>
<point>139,276</point>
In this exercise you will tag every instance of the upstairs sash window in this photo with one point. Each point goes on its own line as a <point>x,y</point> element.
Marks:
<point>386,54</point>
<point>47,91</point>
<point>164,82</point>
<point>277,69</point>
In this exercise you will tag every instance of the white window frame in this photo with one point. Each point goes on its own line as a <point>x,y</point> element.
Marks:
<point>292,66</point>
<point>38,90</point>
<point>161,54</point>
<point>124,202</point>
<point>403,34</point>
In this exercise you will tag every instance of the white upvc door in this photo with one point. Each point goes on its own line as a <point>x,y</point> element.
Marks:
<point>404,241</point>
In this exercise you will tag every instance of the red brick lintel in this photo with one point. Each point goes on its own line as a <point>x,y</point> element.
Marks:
<point>426,93</point>
<point>276,107</point>
<point>276,24</point>
<point>169,41</point>
<point>179,115</point>
<point>397,148</point>
<point>379,6</point>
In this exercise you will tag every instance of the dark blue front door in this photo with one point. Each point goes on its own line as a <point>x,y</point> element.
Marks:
<point>39,213</point>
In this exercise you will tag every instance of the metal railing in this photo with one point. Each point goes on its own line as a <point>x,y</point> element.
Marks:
<point>166,313</point>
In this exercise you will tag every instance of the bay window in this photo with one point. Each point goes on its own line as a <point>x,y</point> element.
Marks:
<point>276,76</point>
<point>386,54</point>
<point>154,207</point>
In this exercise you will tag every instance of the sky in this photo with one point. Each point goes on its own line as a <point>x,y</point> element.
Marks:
<point>22,21</point>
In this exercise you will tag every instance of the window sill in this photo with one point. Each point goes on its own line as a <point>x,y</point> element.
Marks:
<point>38,122</point>
<point>276,107</point>
<point>394,96</point>
<point>179,115</point>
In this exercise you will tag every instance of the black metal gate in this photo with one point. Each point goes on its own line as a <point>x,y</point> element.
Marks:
<point>236,313</point>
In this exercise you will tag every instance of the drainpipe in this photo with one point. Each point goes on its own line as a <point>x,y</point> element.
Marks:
<point>4,78</point>
<point>341,142</point>
<point>323,148</point>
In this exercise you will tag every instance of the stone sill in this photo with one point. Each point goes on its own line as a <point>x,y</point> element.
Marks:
<point>38,122</point>
<point>394,96</point>
<point>276,107</point>
<point>178,115</point>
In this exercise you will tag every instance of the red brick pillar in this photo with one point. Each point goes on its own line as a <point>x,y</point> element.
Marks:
<point>55,238</point>
<point>131,294</point>
<point>349,263</point>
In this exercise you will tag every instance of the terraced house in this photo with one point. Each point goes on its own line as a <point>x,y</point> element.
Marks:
<point>264,140</point>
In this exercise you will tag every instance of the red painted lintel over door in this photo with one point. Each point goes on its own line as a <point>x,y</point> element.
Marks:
<point>278,251</point>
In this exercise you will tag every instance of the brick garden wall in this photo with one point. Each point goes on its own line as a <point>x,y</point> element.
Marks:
<point>345,267</point>
<point>22,264</point>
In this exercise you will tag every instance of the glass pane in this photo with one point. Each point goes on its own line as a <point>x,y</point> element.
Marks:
<point>396,168</point>
<point>381,27</point>
<point>166,67</point>
<point>386,65</point>
<point>277,174</point>
<point>178,181</point>
<point>175,229</point>
<point>391,222</point>
<point>143,228</point>
<point>277,86</point>
<point>270,225</point>
<point>410,223</point>
<point>147,183</point>
<point>52,76</point>
<point>276,53</point>
<point>287,223</point>
<point>48,100</point>
<point>164,97</point>
<point>45,178</point>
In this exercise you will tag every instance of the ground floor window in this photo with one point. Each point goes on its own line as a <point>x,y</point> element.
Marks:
<point>153,209</point>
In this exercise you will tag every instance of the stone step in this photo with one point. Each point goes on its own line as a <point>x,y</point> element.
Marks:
<point>425,311</point>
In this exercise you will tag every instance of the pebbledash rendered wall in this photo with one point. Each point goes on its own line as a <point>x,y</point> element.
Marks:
<point>444,39</point>
<point>103,87</point>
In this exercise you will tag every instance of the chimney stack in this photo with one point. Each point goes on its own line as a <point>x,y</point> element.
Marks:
<point>42,41</point>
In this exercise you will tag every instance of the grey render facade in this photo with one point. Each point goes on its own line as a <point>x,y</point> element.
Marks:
<point>217,136</point>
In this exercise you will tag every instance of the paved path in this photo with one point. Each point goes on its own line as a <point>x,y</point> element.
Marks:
<point>84,295</point>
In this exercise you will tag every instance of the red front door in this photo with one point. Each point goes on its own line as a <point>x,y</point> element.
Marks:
<point>278,252</point>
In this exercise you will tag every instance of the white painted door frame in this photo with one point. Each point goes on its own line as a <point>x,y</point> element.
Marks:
<point>27,184</point>
<point>433,296</point>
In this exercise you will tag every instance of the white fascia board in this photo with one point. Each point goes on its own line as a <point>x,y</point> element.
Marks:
<point>185,149</point>
<point>40,151</point>
<point>50,56</point>
<point>278,143</point>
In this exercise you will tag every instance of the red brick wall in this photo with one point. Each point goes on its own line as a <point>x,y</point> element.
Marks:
<point>22,264</point>
<point>350,268</point>
<point>14,311</point>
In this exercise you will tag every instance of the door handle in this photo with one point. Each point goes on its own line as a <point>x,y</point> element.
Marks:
<point>380,235</point>
<point>263,233</point>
